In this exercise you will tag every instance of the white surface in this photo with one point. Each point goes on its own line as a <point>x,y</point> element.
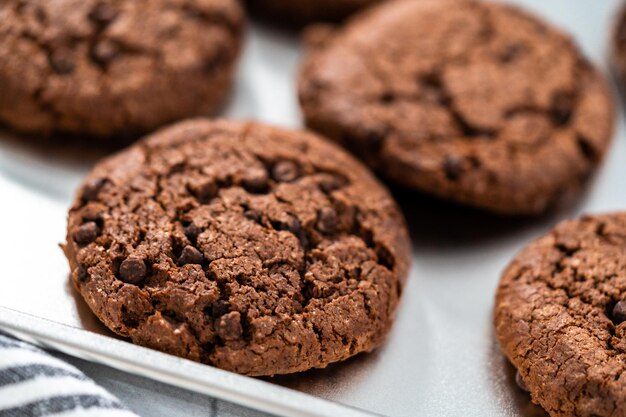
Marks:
<point>440,358</point>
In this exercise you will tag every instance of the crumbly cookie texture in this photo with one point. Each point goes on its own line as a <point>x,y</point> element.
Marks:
<point>106,68</point>
<point>253,249</point>
<point>471,101</point>
<point>560,317</point>
<point>306,11</point>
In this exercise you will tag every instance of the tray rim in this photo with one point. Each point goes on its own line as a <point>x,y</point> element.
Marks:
<point>238,389</point>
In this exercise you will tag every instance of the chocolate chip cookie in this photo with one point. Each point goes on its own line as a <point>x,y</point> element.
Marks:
<point>253,249</point>
<point>106,68</point>
<point>560,317</point>
<point>476,102</point>
<point>304,11</point>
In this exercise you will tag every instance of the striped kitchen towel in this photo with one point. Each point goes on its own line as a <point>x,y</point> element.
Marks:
<point>33,384</point>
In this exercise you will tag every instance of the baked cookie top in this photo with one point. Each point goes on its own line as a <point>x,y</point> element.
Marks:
<point>253,249</point>
<point>476,102</point>
<point>113,67</point>
<point>560,317</point>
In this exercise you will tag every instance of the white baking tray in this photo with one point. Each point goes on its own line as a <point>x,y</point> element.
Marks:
<point>440,358</point>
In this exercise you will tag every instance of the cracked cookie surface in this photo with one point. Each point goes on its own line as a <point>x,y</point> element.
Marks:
<point>475,102</point>
<point>107,68</point>
<point>253,249</point>
<point>560,317</point>
<point>305,11</point>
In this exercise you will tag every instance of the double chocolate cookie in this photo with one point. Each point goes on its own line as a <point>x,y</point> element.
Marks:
<point>619,47</point>
<point>110,67</point>
<point>479,103</point>
<point>560,317</point>
<point>253,249</point>
<point>290,12</point>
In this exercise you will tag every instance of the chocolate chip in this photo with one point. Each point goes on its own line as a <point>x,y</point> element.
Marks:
<point>62,62</point>
<point>326,220</point>
<point>86,233</point>
<point>217,60</point>
<point>205,191</point>
<point>133,270</point>
<point>256,181</point>
<point>291,225</point>
<point>520,382</point>
<point>228,326</point>
<point>511,52</point>
<point>190,255</point>
<point>388,97</point>
<point>81,273</point>
<point>562,107</point>
<point>285,171</point>
<point>331,183</point>
<point>452,167</point>
<point>102,14</point>
<point>253,215</point>
<point>192,232</point>
<point>40,15</point>
<point>104,52</point>
<point>619,312</point>
<point>92,188</point>
<point>586,149</point>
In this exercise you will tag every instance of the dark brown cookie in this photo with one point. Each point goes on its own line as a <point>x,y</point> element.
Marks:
<point>475,102</point>
<point>559,317</point>
<point>253,249</point>
<point>111,67</point>
<point>619,47</point>
<point>290,12</point>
